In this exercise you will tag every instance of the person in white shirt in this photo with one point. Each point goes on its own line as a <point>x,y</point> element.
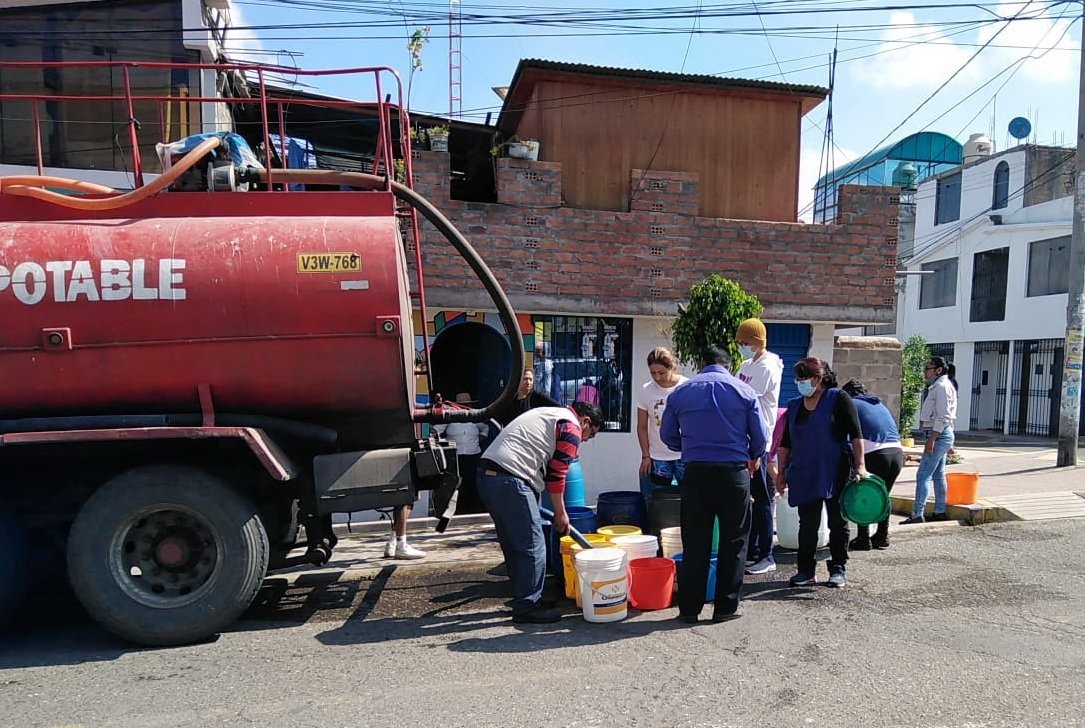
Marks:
<point>468,437</point>
<point>937,415</point>
<point>659,465</point>
<point>762,371</point>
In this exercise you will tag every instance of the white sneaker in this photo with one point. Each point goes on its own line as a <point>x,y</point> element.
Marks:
<point>406,551</point>
<point>390,549</point>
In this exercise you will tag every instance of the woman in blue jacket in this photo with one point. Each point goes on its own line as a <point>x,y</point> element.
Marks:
<point>815,463</point>
<point>882,453</point>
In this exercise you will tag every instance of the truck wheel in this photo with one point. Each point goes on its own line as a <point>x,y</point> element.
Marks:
<point>13,571</point>
<point>165,555</point>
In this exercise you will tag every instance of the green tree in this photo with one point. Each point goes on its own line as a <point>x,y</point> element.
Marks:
<point>913,356</point>
<point>715,308</point>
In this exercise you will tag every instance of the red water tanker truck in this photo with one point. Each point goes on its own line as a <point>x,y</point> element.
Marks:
<point>190,380</point>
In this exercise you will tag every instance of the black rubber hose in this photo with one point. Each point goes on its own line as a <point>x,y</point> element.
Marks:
<point>466,251</point>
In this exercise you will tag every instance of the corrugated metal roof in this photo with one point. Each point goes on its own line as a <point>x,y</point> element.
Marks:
<point>666,76</point>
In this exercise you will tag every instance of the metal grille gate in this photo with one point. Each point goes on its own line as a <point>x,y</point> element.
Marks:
<point>1037,387</point>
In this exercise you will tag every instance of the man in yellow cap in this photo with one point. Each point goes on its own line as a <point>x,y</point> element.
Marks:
<point>762,371</point>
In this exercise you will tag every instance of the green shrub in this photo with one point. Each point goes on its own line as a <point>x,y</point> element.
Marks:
<point>913,356</point>
<point>715,308</point>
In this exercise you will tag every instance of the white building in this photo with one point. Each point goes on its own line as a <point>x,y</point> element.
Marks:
<point>992,242</point>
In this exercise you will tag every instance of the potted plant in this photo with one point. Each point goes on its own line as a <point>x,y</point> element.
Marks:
<point>524,149</point>
<point>438,138</point>
<point>517,148</point>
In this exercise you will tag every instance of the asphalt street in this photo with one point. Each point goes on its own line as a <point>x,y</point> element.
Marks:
<point>952,627</point>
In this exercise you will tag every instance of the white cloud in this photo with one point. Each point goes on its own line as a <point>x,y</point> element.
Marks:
<point>903,63</point>
<point>1057,51</point>
<point>239,39</point>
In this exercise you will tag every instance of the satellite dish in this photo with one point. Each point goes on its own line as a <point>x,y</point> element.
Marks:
<point>1020,127</point>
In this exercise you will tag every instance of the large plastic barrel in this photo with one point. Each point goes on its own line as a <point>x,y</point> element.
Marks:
<point>622,507</point>
<point>664,509</point>
<point>574,489</point>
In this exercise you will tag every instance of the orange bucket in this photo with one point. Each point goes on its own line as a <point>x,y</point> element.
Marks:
<point>651,583</point>
<point>961,488</point>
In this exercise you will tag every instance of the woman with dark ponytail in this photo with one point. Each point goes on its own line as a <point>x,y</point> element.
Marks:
<point>937,415</point>
<point>815,463</point>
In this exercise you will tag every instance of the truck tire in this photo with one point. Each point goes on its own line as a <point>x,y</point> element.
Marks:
<point>166,555</point>
<point>13,569</point>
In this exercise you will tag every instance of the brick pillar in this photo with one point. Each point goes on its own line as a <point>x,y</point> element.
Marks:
<point>524,183</point>
<point>875,361</point>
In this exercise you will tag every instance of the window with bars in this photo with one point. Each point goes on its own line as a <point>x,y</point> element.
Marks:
<point>593,361</point>
<point>989,270</point>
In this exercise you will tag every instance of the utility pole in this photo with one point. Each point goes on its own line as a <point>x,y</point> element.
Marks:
<point>1069,412</point>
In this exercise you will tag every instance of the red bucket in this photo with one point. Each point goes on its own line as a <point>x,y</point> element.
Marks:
<point>651,583</point>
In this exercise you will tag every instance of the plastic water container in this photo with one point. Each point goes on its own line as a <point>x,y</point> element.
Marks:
<point>664,509</point>
<point>574,489</point>
<point>710,587</point>
<point>639,546</point>
<point>670,540</point>
<point>582,518</point>
<point>618,529</point>
<point>622,506</point>
<point>962,488</point>
<point>787,525</point>
<point>569,548</point>
<point>604,583</point>
<point>651,583</point>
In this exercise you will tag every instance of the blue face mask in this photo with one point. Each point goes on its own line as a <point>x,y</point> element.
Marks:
<point>745,351</point>
<point>806,387</point>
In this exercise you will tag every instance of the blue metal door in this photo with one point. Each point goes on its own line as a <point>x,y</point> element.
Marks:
<point>790,342</point>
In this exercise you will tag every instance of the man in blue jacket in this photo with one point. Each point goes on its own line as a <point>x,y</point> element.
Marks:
<point>715,421</point>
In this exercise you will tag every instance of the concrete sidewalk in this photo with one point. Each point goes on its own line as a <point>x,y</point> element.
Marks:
<point>1019,480</point>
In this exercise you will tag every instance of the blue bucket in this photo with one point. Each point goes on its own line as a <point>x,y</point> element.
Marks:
<point>622,507</point>
<point>581,518</point>
<point>710,590</point>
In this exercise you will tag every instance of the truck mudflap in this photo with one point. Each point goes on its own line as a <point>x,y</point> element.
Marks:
<point>277,464</point>
<point>367,479</point>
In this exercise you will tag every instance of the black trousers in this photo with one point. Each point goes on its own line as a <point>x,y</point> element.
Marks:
<point>713,491</point>
<point>886,464</point>
<point>469,501</point>
<point>810,522</point>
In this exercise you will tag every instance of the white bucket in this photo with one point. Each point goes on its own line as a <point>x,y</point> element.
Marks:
<point>670,540</point>
<point>787,525</point>
<point>642,546</point>
<point>604,583</point>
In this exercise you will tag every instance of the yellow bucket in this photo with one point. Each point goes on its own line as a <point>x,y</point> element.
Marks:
<point>569,547</point>
<point>612,531</point>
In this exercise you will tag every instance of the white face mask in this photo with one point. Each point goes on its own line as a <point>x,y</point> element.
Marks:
<point>746,351</point>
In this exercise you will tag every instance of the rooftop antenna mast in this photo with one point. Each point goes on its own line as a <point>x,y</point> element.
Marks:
<point>455,59</point>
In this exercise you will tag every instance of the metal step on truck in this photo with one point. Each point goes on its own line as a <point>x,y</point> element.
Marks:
<point>197,372</point>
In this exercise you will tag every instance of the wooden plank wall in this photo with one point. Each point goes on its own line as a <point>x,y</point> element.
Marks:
<point>744,145</point>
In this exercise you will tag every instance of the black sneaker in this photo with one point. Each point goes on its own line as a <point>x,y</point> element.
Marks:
<point>937,517</point>
<point>537,616</point>
<point>728,617</point>
<point>837,577</point>
<point>688,618</point>
<point>912,520</point>
<point>803,578</point>
<point>879,543</point>
<point>860,544</point>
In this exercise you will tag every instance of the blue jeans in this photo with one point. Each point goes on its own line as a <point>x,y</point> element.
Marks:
<point>660,475</point>
<point>514,506</point>
<point>933,468</point>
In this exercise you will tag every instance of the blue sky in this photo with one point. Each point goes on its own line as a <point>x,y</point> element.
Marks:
<point>954,70</point>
